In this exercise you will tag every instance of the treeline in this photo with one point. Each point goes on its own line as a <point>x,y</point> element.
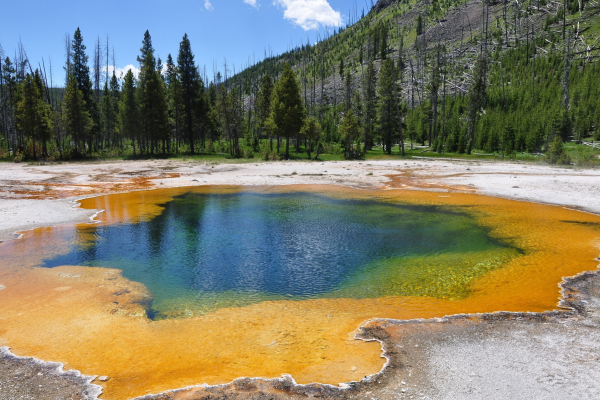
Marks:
<point>172,110</point>
<point>153,112</point>
<point>500,90</point>
<point>162,110</point>
<point>524,105</point>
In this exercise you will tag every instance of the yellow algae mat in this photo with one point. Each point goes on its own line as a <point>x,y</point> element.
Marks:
<point>94,320</point>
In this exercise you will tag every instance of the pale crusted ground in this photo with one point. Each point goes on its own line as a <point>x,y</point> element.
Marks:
<point>514,357</point>
<point>579,188</point>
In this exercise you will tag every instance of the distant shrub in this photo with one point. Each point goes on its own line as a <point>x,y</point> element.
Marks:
<point>247,152</point>
<point>557,154</point>
<point>266,153</point>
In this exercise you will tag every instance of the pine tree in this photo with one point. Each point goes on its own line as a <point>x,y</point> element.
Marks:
<point>212,117</point>
<point>188,76</point>
<point>287,110</point>
<point>387,120</point>
<point>146,47</point>
<point>153,107</point>
<point>33,115</point>
<point>350,131</point>
<point>231,118</point>
<point>376,38</point>
<point>361,55</point>
<point>557,154</point>
<point>76,117</point>
<point>349,90</point>
<point>9,82</point>
<point>476,97</point>
<point>370,102</point>
<point>129,123</point>
<point>81,73</point>
<point>434,87</point>
<point>384,41</point>
<point>174,99</point>
<point>419,25</point>
<point>152,99</point>
<point>107,110</point>
<point>262,105</point>
<point>114,100</point>
<point>44,113</point>
<point>311,130</point>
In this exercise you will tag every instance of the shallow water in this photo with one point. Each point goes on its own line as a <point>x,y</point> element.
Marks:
<point>498,255</point>
<point>207,251</point>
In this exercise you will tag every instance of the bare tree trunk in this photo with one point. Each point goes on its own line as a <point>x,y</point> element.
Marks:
<point>322,75</point>
<point>533,68</point>
<point>505,23</point>
<point>443,114</point>
<point>567,66</point>
<point>398,110</point>
<point>564,18</point>
<point>334,86</point>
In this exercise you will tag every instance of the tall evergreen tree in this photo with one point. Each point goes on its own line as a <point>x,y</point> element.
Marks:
<point>114,101</point>
<point>188,76</point>
<point>9,82</point>
<point>129,123</point>
<point>370,102</point>
<point>33,115</point>
<point>76,117</point>
<point>387,120</point>
<point>434,87</point>
<point>107,110</point>
<point>174,99</point>
<point>146,47</point>
<point>287,110</point>
<point>476,97</point>
<point>384,41</point>
<point>152,99</point>
<point>231,117</point>
<point>311,130</point>
<point>348,90</point>
<point>81,73</point>
<point>350,131</point>
<point>262,105</point>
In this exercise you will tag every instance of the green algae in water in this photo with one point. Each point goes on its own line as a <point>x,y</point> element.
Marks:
<point>209,251</point>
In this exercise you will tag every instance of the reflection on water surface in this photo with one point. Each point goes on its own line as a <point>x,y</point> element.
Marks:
<point>207,251</point>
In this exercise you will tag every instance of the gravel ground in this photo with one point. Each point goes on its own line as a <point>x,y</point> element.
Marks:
<point>30,379</point>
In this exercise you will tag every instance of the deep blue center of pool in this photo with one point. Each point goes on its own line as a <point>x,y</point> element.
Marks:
<point>206,251</point>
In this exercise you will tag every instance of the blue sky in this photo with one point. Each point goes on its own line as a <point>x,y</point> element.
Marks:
<point>235,29</point>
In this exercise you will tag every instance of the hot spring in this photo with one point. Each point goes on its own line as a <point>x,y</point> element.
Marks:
<point>186,286</point>
<point>206,251</point>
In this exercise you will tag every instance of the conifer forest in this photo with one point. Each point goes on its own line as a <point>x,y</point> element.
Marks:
<point>502,78</point>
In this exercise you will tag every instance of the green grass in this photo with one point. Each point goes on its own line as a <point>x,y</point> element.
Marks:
<point>581,155</point>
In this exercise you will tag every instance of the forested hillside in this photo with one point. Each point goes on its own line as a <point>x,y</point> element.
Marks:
<point>455,76</point>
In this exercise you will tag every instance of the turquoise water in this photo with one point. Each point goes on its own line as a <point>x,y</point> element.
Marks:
<point>207,251</point>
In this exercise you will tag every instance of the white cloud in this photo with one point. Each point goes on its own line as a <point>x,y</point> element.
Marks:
<point>253,3</point>
<point>121,72</point>
<point>310,14</point>
<point>208,5</point>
